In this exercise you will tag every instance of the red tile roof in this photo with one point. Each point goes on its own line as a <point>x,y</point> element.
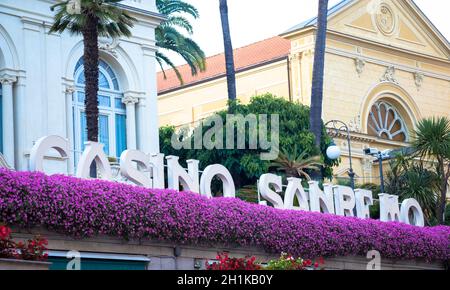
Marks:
<point>245,57</point>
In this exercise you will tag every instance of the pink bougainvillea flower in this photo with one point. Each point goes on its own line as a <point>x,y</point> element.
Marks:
<point>86,208</point>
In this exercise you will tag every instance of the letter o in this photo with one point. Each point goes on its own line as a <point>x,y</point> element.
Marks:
<point>220,171</point>
<point>411,205</point>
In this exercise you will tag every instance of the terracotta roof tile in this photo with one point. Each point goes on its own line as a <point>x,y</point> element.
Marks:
<point>244,57</point>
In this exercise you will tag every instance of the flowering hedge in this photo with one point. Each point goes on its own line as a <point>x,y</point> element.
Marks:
<point>86,208</point>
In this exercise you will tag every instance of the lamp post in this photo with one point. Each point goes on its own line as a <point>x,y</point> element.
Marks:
<point>380,160</point>
<point>380,156</point>
<point>334,152</point>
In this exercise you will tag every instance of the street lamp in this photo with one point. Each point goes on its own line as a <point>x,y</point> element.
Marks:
<point>334,152</point>
<point>380,155</point>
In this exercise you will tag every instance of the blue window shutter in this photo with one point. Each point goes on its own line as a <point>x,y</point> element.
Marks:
<point>1,120</point>
<point>121,134</point>
<point>104,132</point>
<point>83,129</point>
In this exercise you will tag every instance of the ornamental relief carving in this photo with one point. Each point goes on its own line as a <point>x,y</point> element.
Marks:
<point>360,64</point>
<point>418,80</point>
<point>108,45</point>
<point>385,19</point>
<point>389,76</point>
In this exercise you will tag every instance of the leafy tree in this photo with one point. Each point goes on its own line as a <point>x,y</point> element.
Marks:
<point>229,58</point>
<point>168,37</point>
<point>246,165</point>
<point>97,18</point>
<point>318,71</point>
<point>432,142</point>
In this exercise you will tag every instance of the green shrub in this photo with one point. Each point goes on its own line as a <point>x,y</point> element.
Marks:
<point>246,165</point>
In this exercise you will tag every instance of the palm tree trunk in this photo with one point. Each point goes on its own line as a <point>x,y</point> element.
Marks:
<point>440,211</point>
<point>318,72</point>
<point>91,60</point>
<point>229,60</point>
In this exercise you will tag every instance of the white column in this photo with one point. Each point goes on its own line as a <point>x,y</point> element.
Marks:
<point>69,127</point>
<point>21,128</point>
<point>8,118</point>
<point>130,101</point>
<point>148,110</point>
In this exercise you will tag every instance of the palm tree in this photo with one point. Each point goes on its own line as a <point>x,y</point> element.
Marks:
<point>229,59</point>
<point>411,179</point>
<point>432,141</point>
<point>97,18</point>
<point>318,71</point>
<point>296,164</point>
<point>170,39</point>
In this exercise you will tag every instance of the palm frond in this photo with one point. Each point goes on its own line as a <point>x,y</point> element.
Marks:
<point>112,21</point>
<point>170,7</point>
<point>296,164</point>
<point>161,59</point>
<point>432,137</point>
<point>169,38</point>
<point>178,21</point>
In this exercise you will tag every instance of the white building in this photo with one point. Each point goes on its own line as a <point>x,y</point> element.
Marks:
<point>42,83</point>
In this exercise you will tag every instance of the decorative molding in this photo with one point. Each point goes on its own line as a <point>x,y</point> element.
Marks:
<point>7,79</point>
<point>385,19</point>
<point>354,124</point>
<point>418,80</point>
<point>109,45</point>
<point>70,90</point>
<point>389,75</point>
<point>130,99</point>
<point>308,53</point>
<point>295,56</point>
<point>410,69</point>
<point>360,64</point>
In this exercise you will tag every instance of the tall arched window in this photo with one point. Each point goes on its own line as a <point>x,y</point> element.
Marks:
<point>112,116</point>
<point>385,122</point>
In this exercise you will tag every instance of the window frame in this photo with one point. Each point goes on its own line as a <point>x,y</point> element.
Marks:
<point>78,108</point>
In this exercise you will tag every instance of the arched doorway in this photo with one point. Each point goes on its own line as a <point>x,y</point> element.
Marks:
<point>112,112</point>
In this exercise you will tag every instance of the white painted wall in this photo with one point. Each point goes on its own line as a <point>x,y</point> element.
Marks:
<point>43,66</point>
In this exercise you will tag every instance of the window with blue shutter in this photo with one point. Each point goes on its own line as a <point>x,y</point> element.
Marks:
<point>121,136</point>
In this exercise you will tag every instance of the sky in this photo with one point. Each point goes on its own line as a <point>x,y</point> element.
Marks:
<point>255,20</point>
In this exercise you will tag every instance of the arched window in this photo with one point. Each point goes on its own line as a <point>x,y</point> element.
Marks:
<point>385,122</point>
<point>112,116</point>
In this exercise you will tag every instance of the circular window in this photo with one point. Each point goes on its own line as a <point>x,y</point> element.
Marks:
<point>385,122</point>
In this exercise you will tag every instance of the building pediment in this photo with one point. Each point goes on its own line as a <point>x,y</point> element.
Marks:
<point>397,23</point>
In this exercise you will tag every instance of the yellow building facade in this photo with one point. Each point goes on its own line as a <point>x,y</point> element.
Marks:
<point>386,68</point>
